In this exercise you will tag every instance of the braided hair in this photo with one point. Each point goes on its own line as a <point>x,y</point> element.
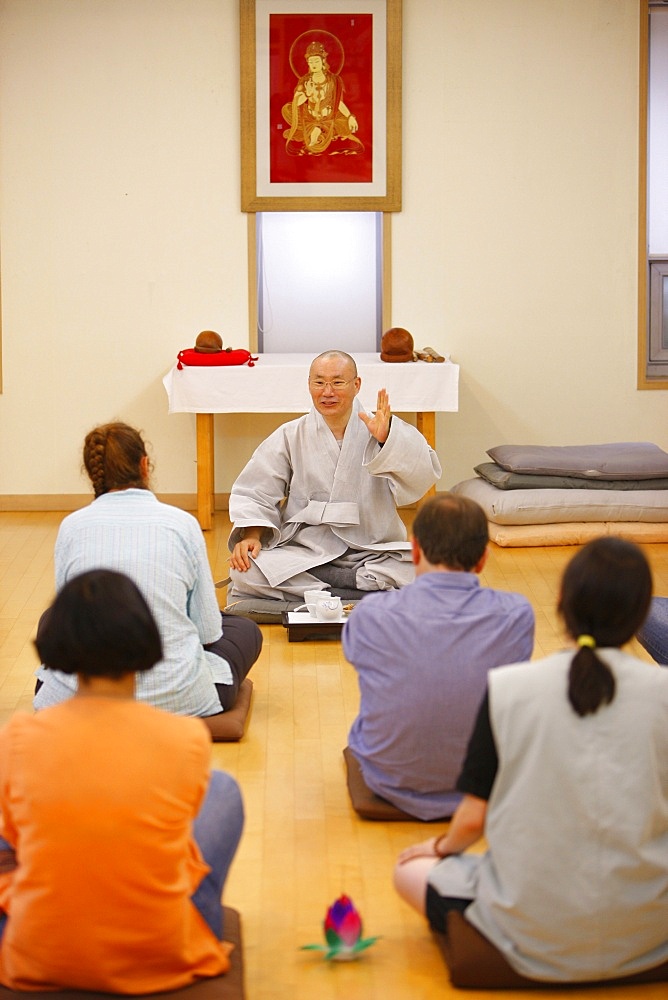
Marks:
<point>605,596</point>
<point>112,457</point>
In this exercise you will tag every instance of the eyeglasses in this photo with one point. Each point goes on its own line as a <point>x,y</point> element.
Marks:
<point>338,383</point>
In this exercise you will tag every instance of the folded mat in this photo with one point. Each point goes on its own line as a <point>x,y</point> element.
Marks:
<point>624,460</point>
<point>505,480</point>
<point>574,533</point>
<point>558,506</point>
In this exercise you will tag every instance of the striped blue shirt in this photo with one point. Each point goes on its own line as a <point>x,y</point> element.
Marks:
<point>162,549</point>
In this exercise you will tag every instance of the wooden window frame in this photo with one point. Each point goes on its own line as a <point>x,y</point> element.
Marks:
<point>652,358</point>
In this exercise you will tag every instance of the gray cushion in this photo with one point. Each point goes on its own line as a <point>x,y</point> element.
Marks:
<point>559,506</point>
<point>626,460</point>
<point>504,480</point>
<point>268,612</point>
<point>263,612</point>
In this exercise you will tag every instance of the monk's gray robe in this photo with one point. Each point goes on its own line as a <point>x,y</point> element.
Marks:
<point>317,501</point>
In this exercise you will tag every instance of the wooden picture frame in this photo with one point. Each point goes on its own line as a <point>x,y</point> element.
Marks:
<point>320,135</point>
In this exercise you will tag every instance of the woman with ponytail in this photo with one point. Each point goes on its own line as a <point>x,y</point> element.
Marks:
<point>566,775</point>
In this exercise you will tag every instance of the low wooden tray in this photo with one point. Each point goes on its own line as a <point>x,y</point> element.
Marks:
<point>302,627</point>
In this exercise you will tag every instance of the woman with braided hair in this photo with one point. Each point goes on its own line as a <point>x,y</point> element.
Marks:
<point>126,528</point>
<point>566,774</point>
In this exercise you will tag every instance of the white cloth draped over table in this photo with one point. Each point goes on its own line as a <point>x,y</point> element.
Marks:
<point>277,383</point>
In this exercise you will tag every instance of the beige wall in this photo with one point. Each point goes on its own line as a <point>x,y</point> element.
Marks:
<point>121,234</point>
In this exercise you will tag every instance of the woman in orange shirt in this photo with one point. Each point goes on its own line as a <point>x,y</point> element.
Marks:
<point>123,836</point>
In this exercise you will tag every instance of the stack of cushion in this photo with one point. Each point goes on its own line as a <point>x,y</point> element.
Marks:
<point>542,495</point>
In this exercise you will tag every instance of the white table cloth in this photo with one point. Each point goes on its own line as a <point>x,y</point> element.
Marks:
<point>277,383</point>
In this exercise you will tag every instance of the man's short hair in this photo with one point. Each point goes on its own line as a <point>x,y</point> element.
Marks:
<point>347,359</point>
<point>452,531</point>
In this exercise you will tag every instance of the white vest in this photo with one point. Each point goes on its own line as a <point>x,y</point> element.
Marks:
<point>575,884</point>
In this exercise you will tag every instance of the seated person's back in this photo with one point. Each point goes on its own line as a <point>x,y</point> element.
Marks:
<point>566,776</point>
<point>127,529</point>
<point>422,655</point>
<point>108,804</point>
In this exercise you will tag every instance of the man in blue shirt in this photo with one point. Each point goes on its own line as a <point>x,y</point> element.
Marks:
<point>422,655</point>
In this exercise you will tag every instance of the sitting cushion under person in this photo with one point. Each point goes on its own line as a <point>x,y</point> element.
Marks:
<point>122,837</point>
<point>317,502</point>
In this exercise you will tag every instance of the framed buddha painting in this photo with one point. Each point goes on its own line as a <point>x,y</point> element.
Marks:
<point>320,105</point>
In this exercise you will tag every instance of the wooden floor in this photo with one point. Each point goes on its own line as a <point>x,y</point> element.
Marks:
<point>302,844</point>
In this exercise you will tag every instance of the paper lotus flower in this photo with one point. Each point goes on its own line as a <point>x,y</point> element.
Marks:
<point>343,932</point>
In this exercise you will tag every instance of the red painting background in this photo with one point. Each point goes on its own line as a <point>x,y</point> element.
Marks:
<point>355,33</point>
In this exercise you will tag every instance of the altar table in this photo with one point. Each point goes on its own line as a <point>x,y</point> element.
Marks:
<point>278,383</point>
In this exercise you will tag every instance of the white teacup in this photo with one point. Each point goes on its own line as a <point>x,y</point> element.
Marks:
<point>327,609</point>
<point>322,606</point>
<point>310,597</point>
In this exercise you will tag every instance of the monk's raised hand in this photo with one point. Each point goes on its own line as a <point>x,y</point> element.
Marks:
<point>378,424</point>
<point>242,551</point>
